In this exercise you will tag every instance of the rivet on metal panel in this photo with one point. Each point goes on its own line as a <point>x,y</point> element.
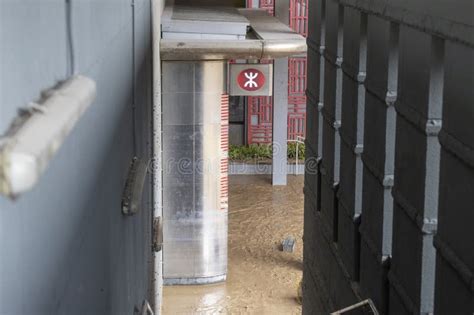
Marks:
<point>388,181</point>
<point>361,77</point>
<point>428,225</point>
<point>358,149</point>
<point>132,194</point>
<point>390,98</point>
<point>433,127</point>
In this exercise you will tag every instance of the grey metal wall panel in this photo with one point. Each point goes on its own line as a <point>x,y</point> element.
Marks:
<point>66,247</point>
<point>53,66</point>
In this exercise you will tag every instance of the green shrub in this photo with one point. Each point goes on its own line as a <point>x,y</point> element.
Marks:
<point>253,151</point>
<point>262,151</point>
<point>292,150</point>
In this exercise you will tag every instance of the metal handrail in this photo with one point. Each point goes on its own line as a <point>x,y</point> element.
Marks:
<point>299,140</point>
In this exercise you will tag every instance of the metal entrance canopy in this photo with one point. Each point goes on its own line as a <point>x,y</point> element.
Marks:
<point>264,37</point>
<point>195,22</point>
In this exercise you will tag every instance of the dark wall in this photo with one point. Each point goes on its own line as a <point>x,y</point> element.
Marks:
<point>65,246</point>
<point>390,170</point>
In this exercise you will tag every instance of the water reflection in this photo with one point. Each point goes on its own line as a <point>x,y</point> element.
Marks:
<point>261,279</point>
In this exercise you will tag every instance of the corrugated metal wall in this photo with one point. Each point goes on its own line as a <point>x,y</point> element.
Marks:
<point>65,247</point>
<point>390,168</point>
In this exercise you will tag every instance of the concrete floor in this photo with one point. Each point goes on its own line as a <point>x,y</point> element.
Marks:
<point>261,278</point>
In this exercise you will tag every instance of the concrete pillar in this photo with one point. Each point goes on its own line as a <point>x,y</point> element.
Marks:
<point>280,106</point>
<point>280,116</point>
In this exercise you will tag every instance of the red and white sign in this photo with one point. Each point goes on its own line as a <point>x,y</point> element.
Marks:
<point>251,79</point>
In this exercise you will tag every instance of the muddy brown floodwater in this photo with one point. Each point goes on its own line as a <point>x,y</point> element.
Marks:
<point>261,279</point>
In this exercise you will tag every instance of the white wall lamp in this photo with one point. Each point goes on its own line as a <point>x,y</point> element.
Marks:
<point>38,132</point>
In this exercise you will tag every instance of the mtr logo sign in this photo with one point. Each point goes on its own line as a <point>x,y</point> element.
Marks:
<point>251,79</point>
